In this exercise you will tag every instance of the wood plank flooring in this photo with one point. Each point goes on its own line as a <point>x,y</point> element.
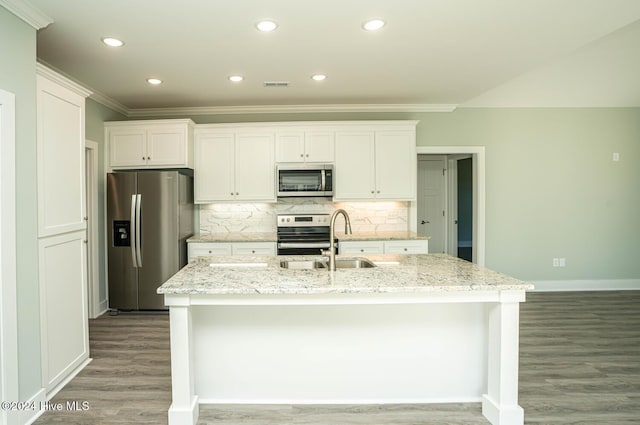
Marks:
<point>579,364</point>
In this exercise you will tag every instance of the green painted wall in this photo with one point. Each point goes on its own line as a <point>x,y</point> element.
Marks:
<point>18,75</point>
<point>95,116</point>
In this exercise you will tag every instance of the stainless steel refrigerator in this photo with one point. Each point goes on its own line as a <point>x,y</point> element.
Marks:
<point>150,218</point>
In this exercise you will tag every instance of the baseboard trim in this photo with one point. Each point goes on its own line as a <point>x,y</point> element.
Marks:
<point>68,378</point>
<point>29,416</point>
<point>587,285</point>
<point>103,307</point>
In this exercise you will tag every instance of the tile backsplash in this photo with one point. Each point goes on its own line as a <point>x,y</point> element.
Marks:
<point>250,217</point>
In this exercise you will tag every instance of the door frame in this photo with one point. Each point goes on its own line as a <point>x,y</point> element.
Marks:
<point>478,156</point>
<point>91,211</point>
<point>8,281</point>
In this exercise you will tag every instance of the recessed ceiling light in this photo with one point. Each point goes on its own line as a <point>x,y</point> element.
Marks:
<point>373,24</point>
<point>113,42</point>
<point>154,81</point>
<point>236,78</point>
<point>266,26</point>
<point>319,77</point>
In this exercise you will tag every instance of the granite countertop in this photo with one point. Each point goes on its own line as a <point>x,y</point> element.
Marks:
<point>234,237</point>
<point>393,274</point>
<point>272,236</point>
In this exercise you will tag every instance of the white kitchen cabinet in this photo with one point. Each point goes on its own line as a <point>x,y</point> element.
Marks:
<point>63,306</point>
<point>305,146</point>
<point>361,247</point>
<point>411,246</point>
<point>234,166</point>
<point>150,144</point>
<point>62,249</point>
<point>375,165</point>
<point>200,249</point>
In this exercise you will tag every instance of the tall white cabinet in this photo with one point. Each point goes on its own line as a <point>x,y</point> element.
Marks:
<point>62,227</point>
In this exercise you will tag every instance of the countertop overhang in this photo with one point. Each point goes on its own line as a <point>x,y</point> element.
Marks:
<point>394,274</point>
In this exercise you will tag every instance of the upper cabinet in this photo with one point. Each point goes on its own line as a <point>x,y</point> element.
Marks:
<point>60,154</point>
<point>304,146</point>
<point>234,164</point>
<point>376,164</point>
<point>150,144</point>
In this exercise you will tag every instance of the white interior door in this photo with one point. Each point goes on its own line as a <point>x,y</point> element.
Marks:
<point>431,201</point>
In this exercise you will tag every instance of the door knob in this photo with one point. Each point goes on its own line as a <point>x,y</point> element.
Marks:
<point>424,222</point>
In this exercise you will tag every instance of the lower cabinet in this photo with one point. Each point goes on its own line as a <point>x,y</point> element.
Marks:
<point>63,306</point>
<point>205,249</point>
<point>413,246</point>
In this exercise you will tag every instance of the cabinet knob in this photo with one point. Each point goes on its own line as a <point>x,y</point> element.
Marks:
<point>209,251</point>
<point>231,193</point>
<point>301,155</point>
<point>405,249</point>
<point>372,191</point>
<point>237,194</point>
<point>307,155</point>
<point>253,251</point>
<point>148,157</point>
<point>378,192</point>
<point>361,250</point>
<point>143,158</point>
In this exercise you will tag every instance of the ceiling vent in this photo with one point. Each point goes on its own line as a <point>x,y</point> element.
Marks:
<point>276,84</point>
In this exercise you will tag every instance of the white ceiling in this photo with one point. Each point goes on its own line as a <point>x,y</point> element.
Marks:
<point>431,53</point>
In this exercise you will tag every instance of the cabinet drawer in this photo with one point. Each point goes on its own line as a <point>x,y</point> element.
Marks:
<point>420,246</point>
<point>361,247</point>
<point>200,249</point>
<point>254,248</point>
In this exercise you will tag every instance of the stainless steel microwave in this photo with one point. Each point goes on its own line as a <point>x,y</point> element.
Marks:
<point>304,180</point>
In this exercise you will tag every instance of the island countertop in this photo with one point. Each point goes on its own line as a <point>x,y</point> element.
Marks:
<point>251,275</point>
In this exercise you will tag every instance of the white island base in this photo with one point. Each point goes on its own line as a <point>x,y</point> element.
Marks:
<point>425,347</point>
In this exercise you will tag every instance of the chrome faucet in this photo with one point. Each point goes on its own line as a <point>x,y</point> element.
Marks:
<point>332,245</point>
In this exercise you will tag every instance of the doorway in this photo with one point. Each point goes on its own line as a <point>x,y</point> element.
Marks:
<point>91,199</point>
<point>452,156</point>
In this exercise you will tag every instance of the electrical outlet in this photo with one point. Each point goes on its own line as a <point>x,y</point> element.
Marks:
<point>562,262</point>
<point>616,156</point>
<point>556,262</point>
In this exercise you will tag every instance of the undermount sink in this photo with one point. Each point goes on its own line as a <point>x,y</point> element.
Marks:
<point>341,263</point>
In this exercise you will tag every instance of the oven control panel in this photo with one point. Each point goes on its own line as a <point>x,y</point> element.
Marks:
<point>303,220</point>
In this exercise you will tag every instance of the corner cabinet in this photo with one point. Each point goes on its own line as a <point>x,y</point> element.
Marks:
<point>62,227</point>
<point>234,165</point>
<point>150,144</point>
<point>376,164</point>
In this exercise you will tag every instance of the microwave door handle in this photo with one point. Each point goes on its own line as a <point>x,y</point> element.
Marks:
<point>323,174</point>
<point>132,230</point>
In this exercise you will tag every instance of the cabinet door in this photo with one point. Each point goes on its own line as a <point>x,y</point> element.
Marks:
<point>290,146</point>
<point>167,146</point>
<point>354,166</point>
<point>255,167</point>
<point>63,306</point>
<point>214,167</point>
<point>60,159</point>
<point>418,246</point>
<point>254,248</point>
<point>127,147</point>
<point>206,249</point>
<point>396,163</point>
<point>319,146</point>
<point>361,247</point>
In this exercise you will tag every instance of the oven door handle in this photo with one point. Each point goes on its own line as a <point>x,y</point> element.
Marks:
<point>303,245</point>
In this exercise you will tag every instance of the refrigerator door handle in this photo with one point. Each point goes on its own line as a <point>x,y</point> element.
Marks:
<point>138,231</point>
<point>133,230</point>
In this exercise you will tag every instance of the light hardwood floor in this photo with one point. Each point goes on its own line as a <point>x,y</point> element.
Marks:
<point>579,364</point>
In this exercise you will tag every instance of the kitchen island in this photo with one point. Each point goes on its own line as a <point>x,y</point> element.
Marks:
<point>414,329</point>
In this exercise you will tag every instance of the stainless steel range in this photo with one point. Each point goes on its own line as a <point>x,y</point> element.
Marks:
<point>303,234</point>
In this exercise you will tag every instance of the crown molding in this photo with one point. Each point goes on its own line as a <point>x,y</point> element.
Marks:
<point>64,81</point>
<point>288,109</point>
<point>27,12</point>
<point>110,103</point>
